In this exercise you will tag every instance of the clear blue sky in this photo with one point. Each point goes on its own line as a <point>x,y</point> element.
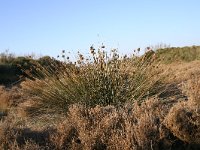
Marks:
<point>48,26</point>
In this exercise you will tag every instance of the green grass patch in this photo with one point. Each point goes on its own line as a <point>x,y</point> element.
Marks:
<point>174,54</point>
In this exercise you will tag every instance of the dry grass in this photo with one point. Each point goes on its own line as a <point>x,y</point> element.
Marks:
<point>9,98</point>
<point>183,119</point>
<point>151,125</point>
<point>178,72</point>
<point>131,127</point>
<point>4,100</point>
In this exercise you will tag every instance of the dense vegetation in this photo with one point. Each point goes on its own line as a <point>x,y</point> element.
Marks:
<point>102,101</point>
<point>13,68</point>
<point>176,54</point>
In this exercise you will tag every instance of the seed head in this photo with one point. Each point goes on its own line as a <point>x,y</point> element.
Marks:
<point>92,50</point>
<point>81,57</point>
<point>102,46</point>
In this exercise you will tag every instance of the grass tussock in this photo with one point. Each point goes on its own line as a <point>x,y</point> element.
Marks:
<point>101,79</point>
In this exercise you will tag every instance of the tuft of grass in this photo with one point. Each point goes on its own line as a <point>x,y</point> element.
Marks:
<point>102,79</point>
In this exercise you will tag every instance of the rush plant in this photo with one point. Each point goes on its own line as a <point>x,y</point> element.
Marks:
<point>101,79</point>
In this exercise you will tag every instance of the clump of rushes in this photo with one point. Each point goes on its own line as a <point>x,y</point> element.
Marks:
<point>102,79</point>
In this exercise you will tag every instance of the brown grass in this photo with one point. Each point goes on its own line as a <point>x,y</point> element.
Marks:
<point>181,71</point>
<point>9,98</point>
<point>151,125</point>
<point>4,100</point>
<point>131,127</point>
<point>183,120</point>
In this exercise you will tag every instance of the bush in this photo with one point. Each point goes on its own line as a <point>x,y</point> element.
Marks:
<point>12,68</point>
<point>6,57</point>
<point>133,126</point>
<point>8,74</point>
<point>183,122</point>
<point>183,119</point>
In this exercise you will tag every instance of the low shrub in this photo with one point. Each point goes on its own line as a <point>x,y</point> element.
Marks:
<point>133,126</point>
<point>183,119</point>
<point>183,122</point>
